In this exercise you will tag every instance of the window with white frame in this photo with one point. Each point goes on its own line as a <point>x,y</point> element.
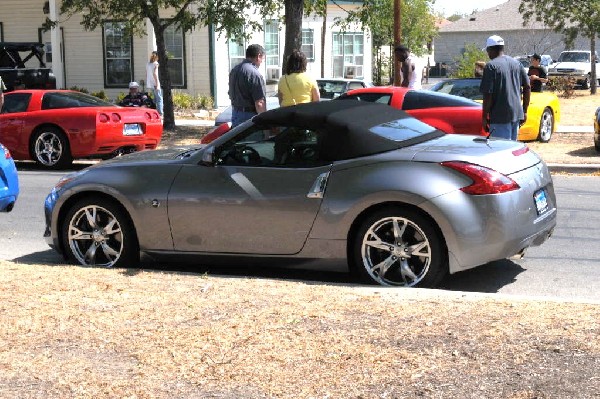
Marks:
<point>237,51</point>
<point>308,44</point>
<point>348,55</point>
<point>118,61</point>
<point>175,45</point>
<point>272,50</point>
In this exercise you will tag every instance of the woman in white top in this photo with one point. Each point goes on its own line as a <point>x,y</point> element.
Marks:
<point>152,81</point>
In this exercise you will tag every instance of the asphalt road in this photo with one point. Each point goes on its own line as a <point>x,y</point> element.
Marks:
<point>566,266</point>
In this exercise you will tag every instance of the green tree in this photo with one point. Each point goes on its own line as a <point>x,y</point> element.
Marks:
<point>225,16</point>
<point>418,24</point>
<point>466,62</point>
<point>569,17</point>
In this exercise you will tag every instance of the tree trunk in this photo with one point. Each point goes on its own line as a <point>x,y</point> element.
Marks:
<point>294,9</point>
<point>594,79</point>
<point>163,76</point>
<point>397,39</point>
<point>323,33</point>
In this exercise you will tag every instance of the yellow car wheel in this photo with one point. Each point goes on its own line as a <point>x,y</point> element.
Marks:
<point>546,126</point>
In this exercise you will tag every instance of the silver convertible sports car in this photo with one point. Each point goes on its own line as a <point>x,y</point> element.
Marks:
<point>404,203</point>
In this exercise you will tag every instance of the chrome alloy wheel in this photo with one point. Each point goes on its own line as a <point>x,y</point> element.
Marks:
<point>95,237</point>
<point>546,126</point>
<point>395,251</point>
<point>48,148</point>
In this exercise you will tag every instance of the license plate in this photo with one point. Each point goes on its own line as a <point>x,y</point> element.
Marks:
<point>132,129</point>
<point>541,202</point>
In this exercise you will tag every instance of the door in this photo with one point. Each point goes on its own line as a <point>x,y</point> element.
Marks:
<point>258,198</point>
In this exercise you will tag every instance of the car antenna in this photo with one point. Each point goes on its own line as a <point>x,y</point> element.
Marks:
<point>485,138</point>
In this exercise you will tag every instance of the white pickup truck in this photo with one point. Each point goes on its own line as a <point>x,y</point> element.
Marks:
<point>574,63</point>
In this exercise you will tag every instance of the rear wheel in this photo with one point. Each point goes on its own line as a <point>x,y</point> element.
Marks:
<point>399,247</point>
<point>97,232</point>
<point>50,148</point>
<point>546,126</point>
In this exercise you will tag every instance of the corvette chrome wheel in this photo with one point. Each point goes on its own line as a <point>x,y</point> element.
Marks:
<point>50,148</point>
<point>546,126</point>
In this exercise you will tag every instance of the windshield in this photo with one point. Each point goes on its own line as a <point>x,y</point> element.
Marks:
<point>574,57</point>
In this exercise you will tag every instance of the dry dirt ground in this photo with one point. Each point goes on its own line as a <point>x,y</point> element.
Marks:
<point>73,332</point>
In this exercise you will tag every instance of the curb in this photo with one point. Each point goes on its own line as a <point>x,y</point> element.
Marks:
<point>573,168</point>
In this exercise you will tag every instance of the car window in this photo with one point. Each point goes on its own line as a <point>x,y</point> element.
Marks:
<point>58,100</point>
<point>273,146</point>
<point>16,102</point>
<point>381,98</point>
<point>355,85</point>
<point>331,89</point>
<point>468,88</point>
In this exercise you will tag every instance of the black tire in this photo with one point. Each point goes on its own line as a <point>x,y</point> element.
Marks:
<point>49,147</point>
<point>390,239</point>
<point>546,126</point>
<point>97,232</point>
<point>585,84</point>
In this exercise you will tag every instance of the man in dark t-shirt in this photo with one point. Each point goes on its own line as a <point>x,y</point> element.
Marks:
<point>537,73</point>
<point>247,89</point>
<point>503,82</point>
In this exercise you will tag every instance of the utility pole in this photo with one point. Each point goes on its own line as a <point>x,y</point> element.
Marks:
<point>397,39</point>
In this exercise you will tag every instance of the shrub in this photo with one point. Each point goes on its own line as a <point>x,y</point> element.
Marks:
<point>79,89</point>
<point>185,102</point>
<point>563,84</point>
<point>101,95</point>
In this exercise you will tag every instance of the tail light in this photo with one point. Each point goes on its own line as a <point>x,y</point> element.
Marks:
<point>7,153</point>
<point>485,180</point>
<point>103,118</point>
<point>115,117</point>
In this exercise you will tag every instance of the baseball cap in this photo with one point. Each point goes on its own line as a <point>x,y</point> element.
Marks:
<point>134,85</point>
<point>494,40</point>
<point>537,57</point>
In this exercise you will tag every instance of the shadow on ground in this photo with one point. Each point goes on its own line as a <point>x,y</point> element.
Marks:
<point>489,278</point>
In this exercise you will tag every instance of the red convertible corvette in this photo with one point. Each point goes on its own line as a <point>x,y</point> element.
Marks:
<point>53,127</point>
<point>450,114</point>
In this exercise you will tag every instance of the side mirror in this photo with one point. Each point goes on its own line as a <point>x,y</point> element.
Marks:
<point>208,156</point>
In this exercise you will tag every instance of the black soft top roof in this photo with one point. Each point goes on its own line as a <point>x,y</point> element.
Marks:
<point>349,126</point>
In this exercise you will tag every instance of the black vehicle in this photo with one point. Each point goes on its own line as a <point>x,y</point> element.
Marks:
<point>15,72</point>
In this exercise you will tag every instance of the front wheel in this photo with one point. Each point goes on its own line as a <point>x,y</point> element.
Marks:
<point>546,126</point>
<point>50,148</point>
<point>399,247</point>
<point>585,84</point>
<point>97,232</point>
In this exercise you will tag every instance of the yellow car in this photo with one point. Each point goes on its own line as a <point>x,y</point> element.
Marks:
<point>543,113</point>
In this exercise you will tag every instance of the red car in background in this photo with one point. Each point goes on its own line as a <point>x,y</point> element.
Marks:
<point>53,127</point>
<point>448,113</point>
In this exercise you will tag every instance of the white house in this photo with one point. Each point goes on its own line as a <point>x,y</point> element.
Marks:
<point>108,59</point>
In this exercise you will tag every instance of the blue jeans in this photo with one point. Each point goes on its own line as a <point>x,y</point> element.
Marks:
<point>239,117</point>
<point>507,131</point>
<point>158,99</point>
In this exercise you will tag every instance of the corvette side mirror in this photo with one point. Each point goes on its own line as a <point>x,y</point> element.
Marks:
<point>208,156</point>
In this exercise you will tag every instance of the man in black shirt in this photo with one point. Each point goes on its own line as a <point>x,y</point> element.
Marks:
<point>247,90</point>
<point>537,73</point>
<point>136,98</point>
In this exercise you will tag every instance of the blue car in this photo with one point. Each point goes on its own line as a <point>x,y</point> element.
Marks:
<point>9,182</point>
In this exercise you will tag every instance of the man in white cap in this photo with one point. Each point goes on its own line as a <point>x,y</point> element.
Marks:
<point>135,98</point>
<point>501,84</point>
